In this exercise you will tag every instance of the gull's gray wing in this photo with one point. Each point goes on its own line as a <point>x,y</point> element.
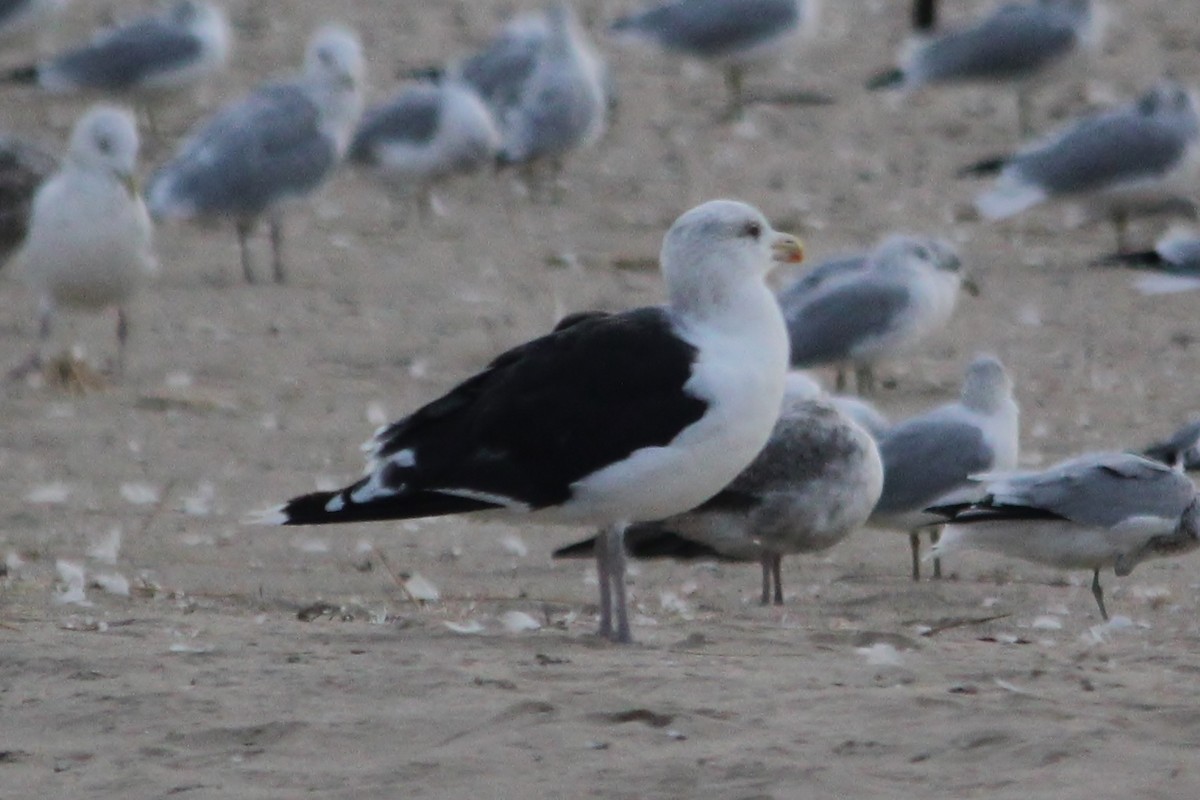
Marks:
<point>822,273</point>
<point>411,118</point>
<point>826,326</point>
<point>499,72</point>
<point>251,155</point>
<point>1181,253</point>
<point>927,457</point>
<point>1100,489</point>
<point>1099,151</point>
<point>711,28</point>
<point>1013,42</point>
<point>128,55</point>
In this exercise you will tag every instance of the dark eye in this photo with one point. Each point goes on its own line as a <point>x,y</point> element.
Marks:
<point>752,229</point>
<point>103,143</point>
<point>922,252</point>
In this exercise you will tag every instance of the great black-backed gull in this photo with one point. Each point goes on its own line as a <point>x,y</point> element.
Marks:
<point>858,314</point>
<point>929,459</point>
<point>89,240</point>
<point>814,483</point>
<point>278,144</point>
<point>609,420</point>
<point>1092,512</point>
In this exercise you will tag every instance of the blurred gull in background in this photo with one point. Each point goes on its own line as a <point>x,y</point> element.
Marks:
<point>89,242</point>
<point>281,143</point>
<point>1096,511</point>
<point>425,134</point>
<point>1172,266</point>
<point>860,313</point>
<point>929,459</point>
<point>1141,158</point>
<point>735,34</point>
<point>1019,44</point>
<point>183,43</point>
<point>813,484</point>
<point>561,105</point>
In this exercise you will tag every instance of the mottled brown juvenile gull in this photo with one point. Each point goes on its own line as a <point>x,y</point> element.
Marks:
<point>813,484</point>
<point>609,420</point>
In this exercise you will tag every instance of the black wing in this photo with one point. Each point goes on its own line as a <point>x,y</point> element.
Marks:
<point>541,417</point>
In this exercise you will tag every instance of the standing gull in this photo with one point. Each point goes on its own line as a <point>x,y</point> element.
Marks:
<point>1018,43</point>
<point>89,241</point>
<point>611,419</point>
<point>278,144</point>
<point>814,483</point>
<point>185,42</point>
<point>561,105</point>
<point>929,459</point>
<point>424,135</point>
<point>735,34</point>
<point>1140,158</point>
<point>852,314</point>
<point>1092,512</point>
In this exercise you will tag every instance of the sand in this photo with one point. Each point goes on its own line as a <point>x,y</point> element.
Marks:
<point>278,663</point>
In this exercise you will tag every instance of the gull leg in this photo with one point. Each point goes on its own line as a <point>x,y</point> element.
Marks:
<point>603,574</point>
<point>616,567</point>
<point>244,229</point>
<point>1098,593</point>
<point>1120,221</point>
<point>839,383</point>
<point>914,542</point>
<point>777,571</point>
<point>34,361</point>
<point>1024,113</point>
<point>934,535</point>
<point>864,379</point>
<point>734,80</point>
<point>122,337</point>
<point>766,579</point>
<point>276,228</point>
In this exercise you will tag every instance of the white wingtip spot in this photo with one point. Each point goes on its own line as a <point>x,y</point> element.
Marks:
<point>335,504</point>
<point>269,516</point>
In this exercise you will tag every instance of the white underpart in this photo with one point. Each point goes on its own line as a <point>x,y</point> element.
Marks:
<point>89,242</point>
<point>1055,543</point>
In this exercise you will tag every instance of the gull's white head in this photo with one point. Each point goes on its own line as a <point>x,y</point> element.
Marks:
<point>105,138</point>
<point>901,252</point>
<point>335,70</point>
<point>717,248</point>
<point>335,56</point>
<point>206,22</point>
<point>986,385</point>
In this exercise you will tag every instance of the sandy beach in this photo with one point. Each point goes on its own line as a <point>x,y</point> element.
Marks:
<point>204,658</point>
